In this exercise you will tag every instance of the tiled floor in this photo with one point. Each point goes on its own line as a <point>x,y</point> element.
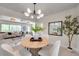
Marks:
<point>67,52</point>
<point>62,52</point>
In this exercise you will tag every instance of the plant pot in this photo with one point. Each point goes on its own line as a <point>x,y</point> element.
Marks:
<point>69,48</point>
<point>36,36</point>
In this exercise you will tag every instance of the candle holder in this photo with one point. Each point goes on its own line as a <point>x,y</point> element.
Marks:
<point>39,39</point>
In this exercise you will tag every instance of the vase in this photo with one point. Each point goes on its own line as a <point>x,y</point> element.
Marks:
<point>36,36</point>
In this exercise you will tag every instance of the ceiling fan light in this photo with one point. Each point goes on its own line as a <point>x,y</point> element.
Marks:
<point>41,15</point>
<point>26,14</point>
<point>32,17</point>
<point>39,11</point>
<point>34,14</point>
<point>38,17</point>
<point>28,10</point>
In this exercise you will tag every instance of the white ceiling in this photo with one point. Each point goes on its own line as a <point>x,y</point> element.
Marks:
<point>47,8</point>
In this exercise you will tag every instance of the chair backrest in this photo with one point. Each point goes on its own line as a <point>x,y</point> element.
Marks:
<point>4,53</point>
<point>55,48</point>
<point>18,43</point>
<point>9,49</point>
<point>27,36</point>
<point>45,36</point>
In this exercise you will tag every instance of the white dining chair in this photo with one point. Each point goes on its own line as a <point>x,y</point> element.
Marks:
<point>4,53</point>
<point>14,51</point>
<point>50,50</point>
<point>9,49</point>
<point>45,36</point>
<point>28,35</point>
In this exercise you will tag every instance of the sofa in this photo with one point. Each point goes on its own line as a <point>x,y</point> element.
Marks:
<point>6,35</point>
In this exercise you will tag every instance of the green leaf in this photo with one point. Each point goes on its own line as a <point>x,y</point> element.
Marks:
<point>70,25</point>
<point>37,28</point>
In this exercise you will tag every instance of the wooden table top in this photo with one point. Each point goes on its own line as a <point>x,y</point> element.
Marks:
<point>35,44</point>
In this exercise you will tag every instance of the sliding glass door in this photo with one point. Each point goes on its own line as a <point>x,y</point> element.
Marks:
<point>10,28</point>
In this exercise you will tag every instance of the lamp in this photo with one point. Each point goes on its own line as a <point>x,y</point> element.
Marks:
<point>34,14</point>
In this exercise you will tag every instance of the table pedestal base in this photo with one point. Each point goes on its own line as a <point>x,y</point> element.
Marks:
<point>35,51</point>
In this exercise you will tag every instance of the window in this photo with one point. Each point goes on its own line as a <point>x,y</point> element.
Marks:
<point>15,28</point>
<point>4,28</point>
<point>10,28</point>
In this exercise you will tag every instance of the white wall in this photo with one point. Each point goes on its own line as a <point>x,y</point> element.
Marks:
<point>61,17</point>
<point>11,13</point>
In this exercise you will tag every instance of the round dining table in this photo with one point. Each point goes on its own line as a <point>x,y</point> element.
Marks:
<point>34,46</point>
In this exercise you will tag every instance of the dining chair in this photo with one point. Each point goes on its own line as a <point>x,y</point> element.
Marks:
<point>4,53</point>
<point>14,51</point>
<point>27,35</point>
<point>9,49</point>
<point>50,50</point>
<point>45,36</point>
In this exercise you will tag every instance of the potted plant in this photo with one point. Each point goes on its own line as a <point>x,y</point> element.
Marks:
<point>36,29</point>
<point>70,27</point>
